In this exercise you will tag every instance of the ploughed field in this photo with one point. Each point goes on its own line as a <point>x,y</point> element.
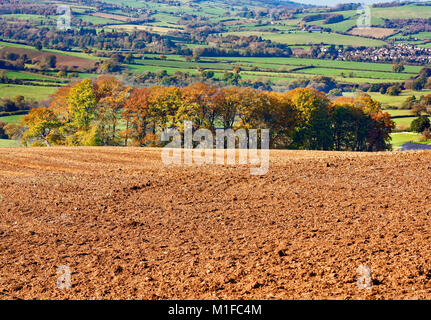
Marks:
<point>130,228</point>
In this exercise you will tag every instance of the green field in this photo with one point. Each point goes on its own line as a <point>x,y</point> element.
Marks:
<point>12,119</point>
<point>307,38</point>
<point>394,101</point>
<point>27,17</point>
<point>403,12</point>
<point>5,143</point>
<point>96,20</point>
<point>281,68</point>
<point>164,16</point>
<point>403,137</point>
<point>68,53</point>
<point>27,76</point>
<point>31,92</point>
<point>347,65</point>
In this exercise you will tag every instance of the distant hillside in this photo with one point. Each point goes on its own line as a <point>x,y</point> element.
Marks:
<point>262,3</point>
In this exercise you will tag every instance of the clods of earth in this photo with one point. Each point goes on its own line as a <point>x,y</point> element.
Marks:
<point>126,226</point>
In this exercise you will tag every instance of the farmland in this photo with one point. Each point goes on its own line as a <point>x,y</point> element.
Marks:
<point>11,119</point>
<point>164,19</point>
<point>6,143</point>
<point>306,38</point>
<point>299,233</point>
<point>178,27</point>
<point>399,138</point>
<point>85,186</point>
<point>33,92</point>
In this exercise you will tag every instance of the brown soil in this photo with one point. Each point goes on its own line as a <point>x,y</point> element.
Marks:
<point>130,228</point>
<point>374,32</point>
<point>63,60</point>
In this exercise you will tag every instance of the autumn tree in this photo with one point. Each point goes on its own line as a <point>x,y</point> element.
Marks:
<point>111,96</point>
<point>200,105</point>
<point>380,129</point>
<point>82,102</point>
<point>398,67</point>
<point>164,103</point>
<point>360,125</point>
<point>228,104</point>
<point>79,128</point>
<point>349,127</point>
<point>14,131</point>
<point>254,109</point>
<point>59,104</point>
<point>88,113</point>
<point>136,114</point>
<point>367,104</point>
<point>420,124</point>
<point>313,130</point>
<point>276,112</point>
<point>42,125</point>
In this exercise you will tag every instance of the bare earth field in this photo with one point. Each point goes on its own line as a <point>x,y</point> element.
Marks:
<point>374,32</point>
<point>130,228</point>
<point>62,59</point>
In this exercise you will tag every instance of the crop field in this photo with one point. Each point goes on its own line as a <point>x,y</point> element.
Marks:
<point>131,227</point>
<point>62,59</point>
<point>147,231</point>
<point>372,32</point>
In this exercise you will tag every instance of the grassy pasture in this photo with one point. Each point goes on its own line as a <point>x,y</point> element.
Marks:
<point>131,27</point>
<point>271,67</point>
<point>111,16</point>
<point>95,20</point>
<point>402,12</point>
<point>12,119</point>
<point>347,65</point>
<point>30,17</point>
<point>404,122</point>
<point>399,138</point>
<point>82,55</point>
<point>304,37</point>
<point>32,92</point>
<point>5,143</point>
<point>396,101</point>
<point>357,73</point>
<point>27,76</point>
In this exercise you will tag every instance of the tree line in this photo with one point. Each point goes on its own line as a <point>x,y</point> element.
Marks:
<point>107,112</point>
